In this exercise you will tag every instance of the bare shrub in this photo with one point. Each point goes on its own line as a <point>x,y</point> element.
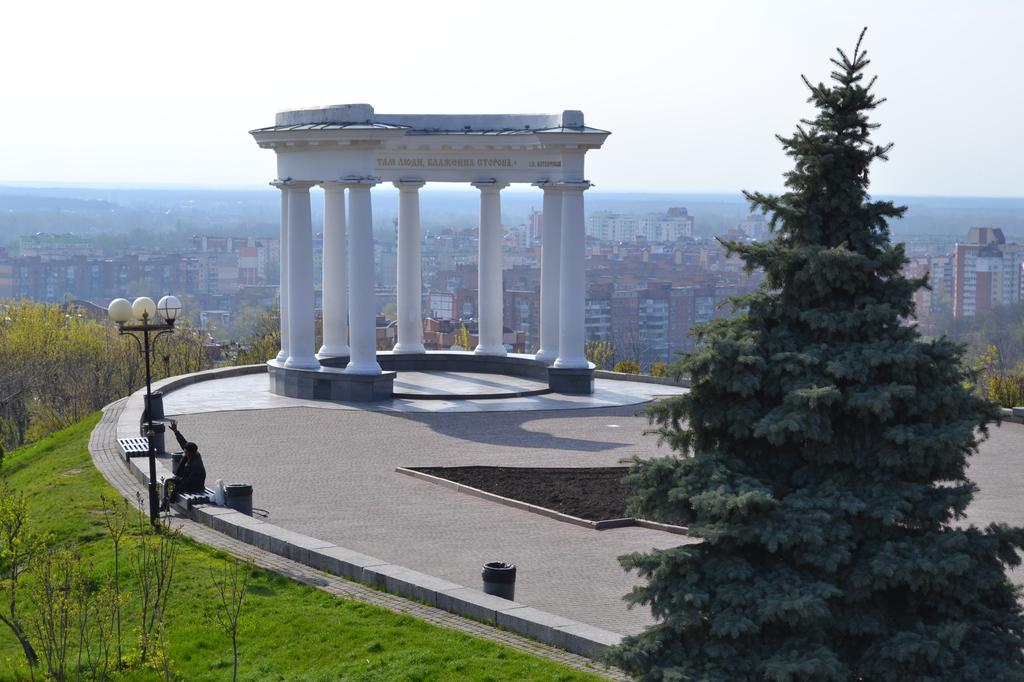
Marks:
<point>232,585</point>
<point>152,562</point>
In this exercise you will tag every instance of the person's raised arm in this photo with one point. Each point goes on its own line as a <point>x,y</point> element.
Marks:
<point>177,435</point>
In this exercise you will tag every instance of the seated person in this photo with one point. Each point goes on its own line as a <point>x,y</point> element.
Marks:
<point>189,476</point>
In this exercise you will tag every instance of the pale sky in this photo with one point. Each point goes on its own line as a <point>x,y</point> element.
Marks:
<point>693,92</point>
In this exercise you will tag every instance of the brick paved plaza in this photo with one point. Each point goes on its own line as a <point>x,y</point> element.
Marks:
<point>328,471</point>
<point>107,458</point>
<point>998,470</point>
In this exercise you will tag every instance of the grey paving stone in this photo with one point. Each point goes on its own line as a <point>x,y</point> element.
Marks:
<point>330,474</point>
<point>342,561</point>
<point>409,583</point>
<point>586,639</point>
<point>532,622</point>
<point>307,543</point>
<point>474,604</point>
<point>106,457</point>
<point>212,510</point>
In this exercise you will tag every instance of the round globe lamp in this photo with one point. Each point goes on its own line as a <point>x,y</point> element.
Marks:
<point>169,307</point>
<point>143,308</point>
<point>119,310</point>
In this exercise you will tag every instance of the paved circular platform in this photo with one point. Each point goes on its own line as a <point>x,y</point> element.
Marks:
<point>465,385</point>
<point>330,474</point>
<point>327,470</point>
<point>252,392</point>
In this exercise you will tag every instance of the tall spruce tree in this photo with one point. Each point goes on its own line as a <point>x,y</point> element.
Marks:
<point>820,456</point>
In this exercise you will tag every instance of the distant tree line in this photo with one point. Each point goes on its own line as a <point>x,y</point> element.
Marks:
<point>58,365</point>
<point>1002,327</point>
<point>994,341</point>
<point>261,338</point>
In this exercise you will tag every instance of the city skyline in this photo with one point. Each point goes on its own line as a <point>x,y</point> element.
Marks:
<point>693,94</point>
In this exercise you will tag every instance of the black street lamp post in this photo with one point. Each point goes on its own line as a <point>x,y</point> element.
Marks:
<point>141,321</point>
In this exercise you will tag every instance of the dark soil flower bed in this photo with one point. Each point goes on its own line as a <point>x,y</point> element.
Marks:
<point>595,494</point>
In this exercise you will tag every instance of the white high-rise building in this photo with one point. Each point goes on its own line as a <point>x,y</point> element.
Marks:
<point>536,225</point>
<point>672,226</point>
<point>612,227</point>
<point>754,226</point>
<point>986,272</point>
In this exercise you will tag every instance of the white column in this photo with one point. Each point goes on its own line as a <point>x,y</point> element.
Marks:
<point>362,300</point>
<point>489,267</point>
<point>550,262</point>
<point>300,278</point>
<point>410,318</point>
<point>282,269</point>
<point>335,276</point>
<point>572,289</point>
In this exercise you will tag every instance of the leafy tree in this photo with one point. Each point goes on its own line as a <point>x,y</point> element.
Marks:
<point>462,341</point>
<point>600,353</point>
<point>57,365</point>
<point>999,330</point>
<point>263,342</point>
<point>116,518</point>
<point>250,321</point>
<point>60,597</point>
<point>19,548</point>
<point>821,455</point>
<point>627,367</point>
<point>1004,386</point>
<point>217,330</point>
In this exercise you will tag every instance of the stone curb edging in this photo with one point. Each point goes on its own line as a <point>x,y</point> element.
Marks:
<point>131,417</point>
<point>1013,414</point>
<point>543,511</point>
<point>108,459</point>
<point>470,396</point>
<point>547,628</point>
<point>639,378</point>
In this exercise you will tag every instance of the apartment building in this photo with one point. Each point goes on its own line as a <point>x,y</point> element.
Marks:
<point>986,272</point>
<point>671,226</point>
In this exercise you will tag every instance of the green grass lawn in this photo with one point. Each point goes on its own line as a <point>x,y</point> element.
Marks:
<point>290,631</point>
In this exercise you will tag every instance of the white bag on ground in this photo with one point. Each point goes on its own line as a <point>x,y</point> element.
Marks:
<point>218,492</point>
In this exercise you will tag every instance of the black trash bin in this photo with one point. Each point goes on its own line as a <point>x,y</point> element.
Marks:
<point>238,496</point>
<point>500,579</point>
<point>159,439</point>
<point>156,405</point>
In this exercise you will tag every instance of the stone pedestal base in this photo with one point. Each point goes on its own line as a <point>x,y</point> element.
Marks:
<point>571,380</point>
<point>455,361</point>
<point>328,383</point>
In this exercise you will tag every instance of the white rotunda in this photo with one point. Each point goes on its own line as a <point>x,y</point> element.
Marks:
<point>347,150</point>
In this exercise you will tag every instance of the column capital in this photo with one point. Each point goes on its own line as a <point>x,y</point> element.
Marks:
<point>332,186</point>
<point>487,186</point>
<point>574,185</point>
<point>297,185</point>
<point>410,185</point>
<point>547,185</point>
<point>352,181</point>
